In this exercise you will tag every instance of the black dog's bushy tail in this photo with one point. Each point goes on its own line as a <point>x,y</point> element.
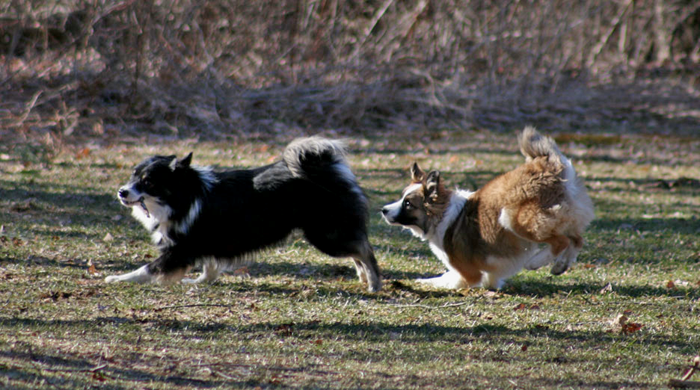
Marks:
<point>322,162</point>
<point>306,155</point>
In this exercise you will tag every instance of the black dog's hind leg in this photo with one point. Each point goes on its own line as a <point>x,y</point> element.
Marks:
<point>168,268</point>
<point>339,242</point>
<point>210,271</point>
<point>367,268</point>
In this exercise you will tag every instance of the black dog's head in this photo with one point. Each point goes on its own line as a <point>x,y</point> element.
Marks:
<point>153,184</point>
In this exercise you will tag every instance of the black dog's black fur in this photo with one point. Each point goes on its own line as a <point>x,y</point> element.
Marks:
<point>243,211</point>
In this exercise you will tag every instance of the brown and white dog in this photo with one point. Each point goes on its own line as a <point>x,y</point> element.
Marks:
<point>487,236</point>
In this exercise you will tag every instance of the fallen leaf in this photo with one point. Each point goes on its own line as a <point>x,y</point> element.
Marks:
<point>284,329</point>
<point>275,380</point>
<point>55,295</point>
<point>621,320</point>
<point>625,326</point>
<point>468,291</point>
<point>92,270</point>
<point>82,153</point>
<point>241,271</point>
<point>520,307</point>
<point>670,284</point>
<point>108,237</point>
<point>608,288</point>
<point>98,376</point>
<point>630,327</point>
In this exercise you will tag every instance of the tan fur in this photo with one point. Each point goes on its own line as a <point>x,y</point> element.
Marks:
<point>538,207</point>
<point>430,211</point>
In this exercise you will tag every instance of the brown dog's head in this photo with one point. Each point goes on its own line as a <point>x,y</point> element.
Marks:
<point>421,205</point>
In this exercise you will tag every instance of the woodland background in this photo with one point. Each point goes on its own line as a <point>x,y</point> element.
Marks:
<point>104,70</point>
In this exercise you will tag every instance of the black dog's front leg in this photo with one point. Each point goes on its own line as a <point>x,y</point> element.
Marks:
<point>170,267</point>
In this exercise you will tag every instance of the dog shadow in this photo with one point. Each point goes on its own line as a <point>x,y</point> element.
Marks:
<point>551,286</point>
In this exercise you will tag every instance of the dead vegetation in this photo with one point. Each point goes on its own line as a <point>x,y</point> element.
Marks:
<point>98,70</point>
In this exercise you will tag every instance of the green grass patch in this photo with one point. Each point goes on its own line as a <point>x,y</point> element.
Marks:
<point>625,316</point>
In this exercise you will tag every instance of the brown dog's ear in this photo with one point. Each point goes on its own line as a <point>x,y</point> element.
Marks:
<point>432,184</point>
<point>417,174</point>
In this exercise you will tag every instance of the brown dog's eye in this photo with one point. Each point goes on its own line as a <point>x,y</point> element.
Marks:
<point>407,204</point>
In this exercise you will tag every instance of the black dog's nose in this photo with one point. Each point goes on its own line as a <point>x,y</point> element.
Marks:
<point>385,210</point>
<point>123,193</point>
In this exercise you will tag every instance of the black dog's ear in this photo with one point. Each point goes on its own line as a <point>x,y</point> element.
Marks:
<point>185,161</point>
<point>172,160</point>
<point>417,174</point>
<point>432,184</point>
<point>181,163</point>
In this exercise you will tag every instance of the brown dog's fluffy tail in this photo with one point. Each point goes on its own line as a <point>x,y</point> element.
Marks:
<point>533,145</point>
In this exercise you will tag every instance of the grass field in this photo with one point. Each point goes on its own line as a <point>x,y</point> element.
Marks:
<point>627,315</point>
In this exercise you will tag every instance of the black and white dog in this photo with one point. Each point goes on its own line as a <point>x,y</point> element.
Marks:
<point>197,215</point>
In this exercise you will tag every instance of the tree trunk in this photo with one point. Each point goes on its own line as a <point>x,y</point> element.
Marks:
<point>662,49</point>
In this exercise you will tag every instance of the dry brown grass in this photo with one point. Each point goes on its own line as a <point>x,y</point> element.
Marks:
<point>84,71</point>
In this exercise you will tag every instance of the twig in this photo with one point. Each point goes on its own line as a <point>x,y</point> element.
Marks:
<point>431,307</point>
<point>598,48</point>
<point>684,383</point>
<point>28,108</point>
<point>221,374</point>
<point>372,23</point>
<point>93,369</point>
<point>47,379</point>
<point>691,370</point>
<point>403,25</point>
<point>193,305</point>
